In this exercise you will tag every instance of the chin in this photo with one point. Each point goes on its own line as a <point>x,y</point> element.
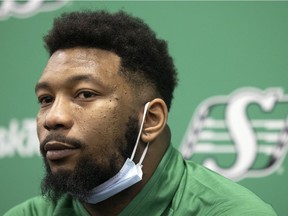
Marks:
<point>56,168</point>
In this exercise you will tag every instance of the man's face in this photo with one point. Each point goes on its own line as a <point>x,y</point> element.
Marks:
<point>86,110</point>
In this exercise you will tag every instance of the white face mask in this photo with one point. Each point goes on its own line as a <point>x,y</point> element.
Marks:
<point>129,174</point>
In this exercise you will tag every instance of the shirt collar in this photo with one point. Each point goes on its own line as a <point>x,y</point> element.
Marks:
<point>159,191</point>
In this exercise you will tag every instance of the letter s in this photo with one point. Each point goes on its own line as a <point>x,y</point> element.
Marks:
<point>241,131</point>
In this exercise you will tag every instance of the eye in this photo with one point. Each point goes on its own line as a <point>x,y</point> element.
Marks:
<point>45,100</point>
<point>86,95</point>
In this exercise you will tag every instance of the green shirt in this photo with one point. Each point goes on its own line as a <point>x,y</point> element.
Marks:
<point>177,187</point>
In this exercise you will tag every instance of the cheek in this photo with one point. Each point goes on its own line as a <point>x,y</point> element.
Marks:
<point>107,120</point>
<point>101,134</point>
<point>101,128</point>
<point>40,126</point>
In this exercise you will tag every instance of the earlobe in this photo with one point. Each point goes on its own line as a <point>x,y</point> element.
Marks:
<point>155,121</point>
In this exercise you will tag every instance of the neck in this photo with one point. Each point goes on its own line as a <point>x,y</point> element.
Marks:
<point>115,204</point>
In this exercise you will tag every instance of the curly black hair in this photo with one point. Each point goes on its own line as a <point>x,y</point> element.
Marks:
<point>142,54</point>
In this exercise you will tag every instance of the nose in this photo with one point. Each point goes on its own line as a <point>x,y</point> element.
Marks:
<point>59,116</point>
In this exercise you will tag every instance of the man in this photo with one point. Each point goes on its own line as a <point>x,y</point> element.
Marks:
<point>102,125</point>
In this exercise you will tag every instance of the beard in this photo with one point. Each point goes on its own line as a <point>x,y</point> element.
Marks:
<point>87,174</point>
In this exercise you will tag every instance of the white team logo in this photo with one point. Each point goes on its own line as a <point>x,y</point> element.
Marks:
<point>228,126</point>
<point>27,8</point>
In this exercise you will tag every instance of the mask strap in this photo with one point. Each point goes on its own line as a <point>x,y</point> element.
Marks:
<point>139,134</point>
<point>143,155</point>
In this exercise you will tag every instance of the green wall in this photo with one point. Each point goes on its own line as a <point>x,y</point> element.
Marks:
<point>230,49</point>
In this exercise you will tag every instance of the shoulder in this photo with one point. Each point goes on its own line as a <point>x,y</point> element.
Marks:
<point>41,206</point>
<point>33,206</point>
<point>213,194</point>
<point>203,179</point>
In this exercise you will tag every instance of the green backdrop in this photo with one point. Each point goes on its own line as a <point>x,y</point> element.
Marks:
<point>228,54</point>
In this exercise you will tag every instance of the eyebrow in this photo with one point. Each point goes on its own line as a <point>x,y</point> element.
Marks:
<point>72,79</point>
<point>41,85</point>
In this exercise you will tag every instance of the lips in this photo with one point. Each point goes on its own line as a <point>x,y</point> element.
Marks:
<point>58,151</point>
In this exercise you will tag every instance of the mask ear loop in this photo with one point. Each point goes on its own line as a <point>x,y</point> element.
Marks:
<point>143,155</point>
<point>139,134</point>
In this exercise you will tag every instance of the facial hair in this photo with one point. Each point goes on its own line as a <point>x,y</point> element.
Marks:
<point>87,173</point>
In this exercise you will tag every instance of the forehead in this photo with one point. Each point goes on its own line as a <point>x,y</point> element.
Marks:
<point>84,58</point>
<point>102,65</point>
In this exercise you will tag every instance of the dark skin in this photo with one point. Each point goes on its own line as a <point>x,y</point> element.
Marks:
<point>115,204</point>
<point>89,100</point>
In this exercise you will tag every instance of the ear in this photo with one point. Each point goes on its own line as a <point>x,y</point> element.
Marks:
<point>155,121</point>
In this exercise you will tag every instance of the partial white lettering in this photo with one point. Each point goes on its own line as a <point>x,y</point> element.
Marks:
<point>19,138</point>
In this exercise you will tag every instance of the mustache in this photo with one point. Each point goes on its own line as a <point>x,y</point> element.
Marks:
<point>63,139</point>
